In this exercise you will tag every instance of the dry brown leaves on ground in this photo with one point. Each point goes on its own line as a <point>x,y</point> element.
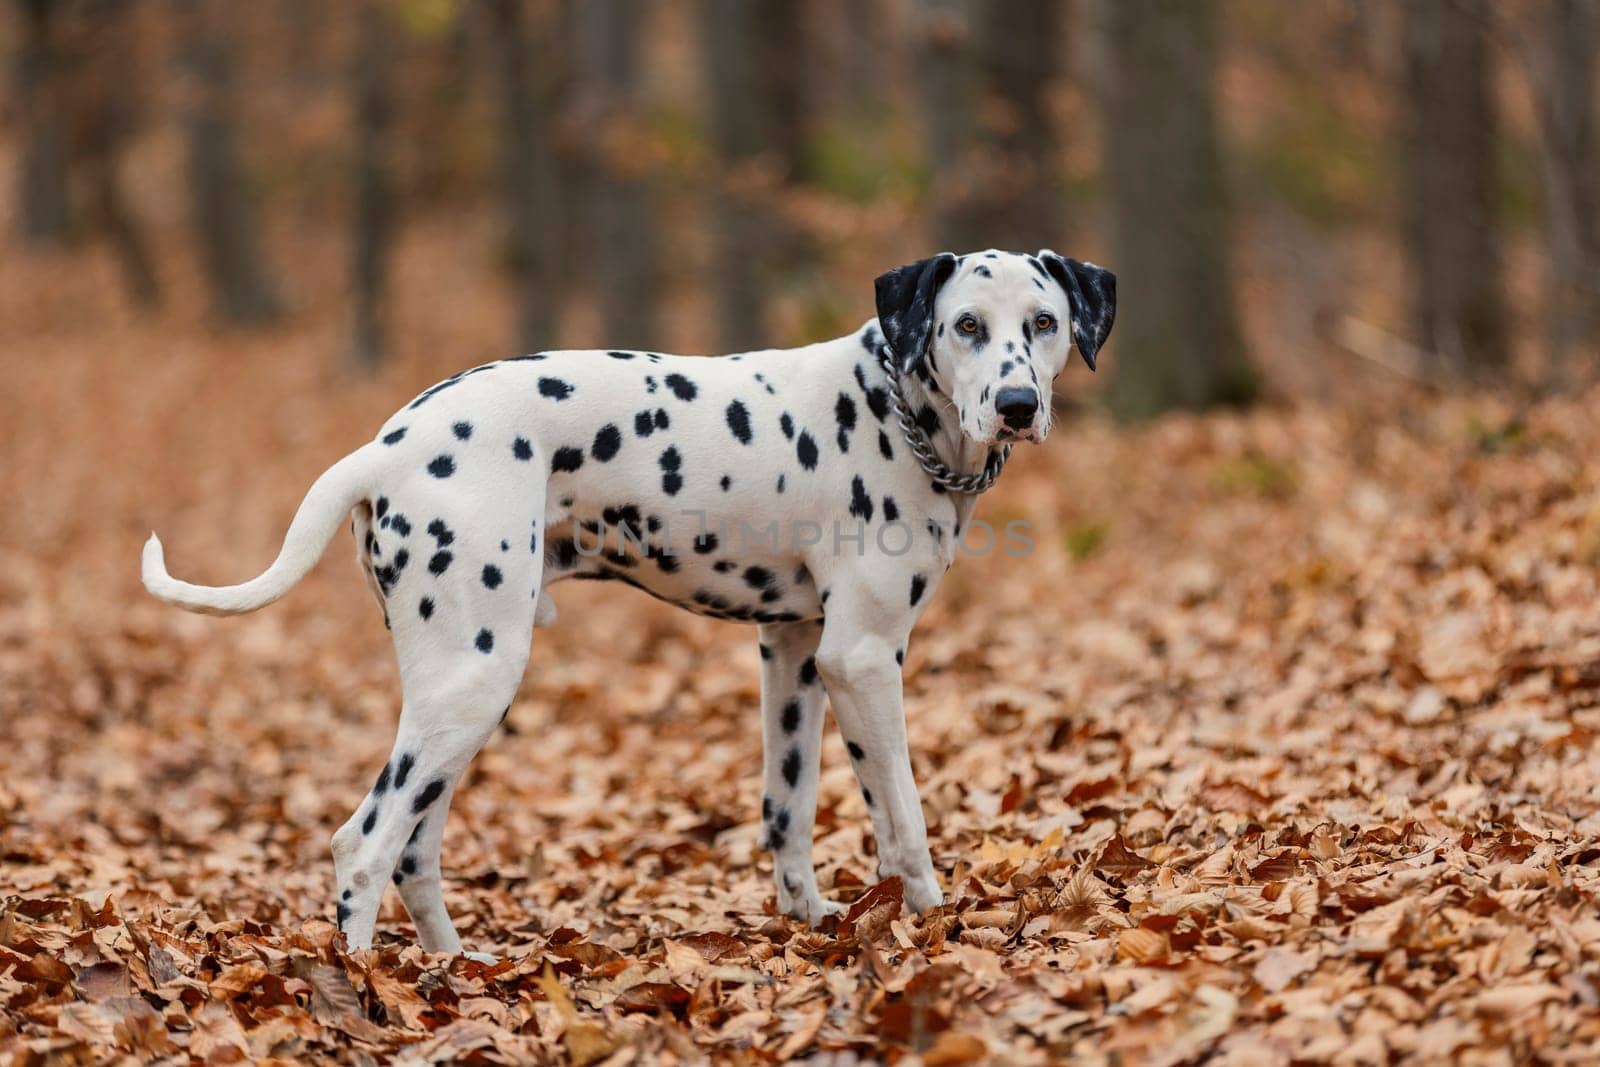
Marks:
<point>1280,745</point>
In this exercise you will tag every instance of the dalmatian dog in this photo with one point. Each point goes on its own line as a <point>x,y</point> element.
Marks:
<point>816,492</point>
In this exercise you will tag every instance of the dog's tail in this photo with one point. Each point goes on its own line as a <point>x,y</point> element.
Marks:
<point>331,497</point>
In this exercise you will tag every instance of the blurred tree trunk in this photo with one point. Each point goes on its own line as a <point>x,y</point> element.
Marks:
<point>623,206</point>
<point>106,112</point>
<point>1021,197</point>
<point>1177,343</point>
<point>374,207</point>
<point>1450,186</point>
<point>754,52</point>
<point>947,72</point>
<point>987,70</point>
<point>1562,67</point>
<point>527,174</point>
<point>224,213</point>
<point>42,186</point>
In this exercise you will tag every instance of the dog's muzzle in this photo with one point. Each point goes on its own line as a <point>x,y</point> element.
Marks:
<point>1017,406</point>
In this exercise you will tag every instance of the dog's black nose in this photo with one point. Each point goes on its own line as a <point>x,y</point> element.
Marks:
<point>1016,406</point>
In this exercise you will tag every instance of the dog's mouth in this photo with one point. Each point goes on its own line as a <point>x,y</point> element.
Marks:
<point>1007,436</point>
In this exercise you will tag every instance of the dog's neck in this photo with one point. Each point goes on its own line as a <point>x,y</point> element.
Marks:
<point>958,451</point>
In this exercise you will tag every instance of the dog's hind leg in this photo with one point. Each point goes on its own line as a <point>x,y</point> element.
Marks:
<point>792,700</point>
<point>462,622</point>
<point>418,877</point>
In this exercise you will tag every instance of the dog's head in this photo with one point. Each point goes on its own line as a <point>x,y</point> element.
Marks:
<point>991,331</point>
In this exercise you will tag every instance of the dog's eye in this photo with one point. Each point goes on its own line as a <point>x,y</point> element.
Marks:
<point>1044,321</point>
<point>967,324</point>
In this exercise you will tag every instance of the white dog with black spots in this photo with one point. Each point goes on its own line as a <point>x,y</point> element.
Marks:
<point>817,492</point>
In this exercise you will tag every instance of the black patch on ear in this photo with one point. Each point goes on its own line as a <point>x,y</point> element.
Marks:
<point>1092,291</point>
<point>905,305</point>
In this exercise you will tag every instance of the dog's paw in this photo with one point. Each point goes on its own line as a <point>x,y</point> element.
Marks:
<point>813,911</point>
<point>481,957</point>
<point>921,891</point>
<point>799,899</point>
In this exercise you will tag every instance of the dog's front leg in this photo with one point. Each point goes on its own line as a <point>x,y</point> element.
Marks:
<point>860,666</point>
<point>791,734</point>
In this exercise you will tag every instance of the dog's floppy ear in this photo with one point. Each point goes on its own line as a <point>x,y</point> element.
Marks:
<point>905,305</point>
<point>1092,291</point>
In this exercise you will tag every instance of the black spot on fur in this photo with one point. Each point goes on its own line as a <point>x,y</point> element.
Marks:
<point>780,484</point>
<point>662,422</point>
<point>643,426</point>
<point>878,402</point>
<point>381,508</point>
<point>757,577</point>
<point>425,608</point>
<point>462,430</point>
<point>860,502</point>
<point>555,388</point>
<point>900,656</point>
<point>485,641</point>
<point>739,421</point>
<point>844,411</point>
<point>439,563</point>
<point>403,769</point>
<point>723,566</point>
<point>394,437</point>
<point>607,441</point>
<point>671,480</point>
<point>408,865</point>
<point>706,543</point>
<point>786,424</point>
<point>381,786</point>
<point>441,533</point>
<point>442,467</point>
<point>681,387</point>
<point>620,355</point>
<point>866,794</point>
<point>919,583</point>
<point>982,271</point>
<point>891,510</point>
<point>928,420</point>
<point>427,796</point>
<point>805,450</point>
<point>342,912</point>
<point>727,483</point>
<point>400,524</point>
<point>566,459</point>
<point>791,767</point>
<point>884,447</point>
<point>791,717</point>
<point>371,821</point>
<point>808,670</point>
<point>491,576</point>
<point>522,449</point>
<point>854,749</point>
<point>766,653</point>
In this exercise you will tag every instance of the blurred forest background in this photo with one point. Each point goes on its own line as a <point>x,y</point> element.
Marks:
<point>1292,194</point>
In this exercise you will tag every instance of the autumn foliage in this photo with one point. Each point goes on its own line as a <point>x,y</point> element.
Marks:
<point>1280,745</point>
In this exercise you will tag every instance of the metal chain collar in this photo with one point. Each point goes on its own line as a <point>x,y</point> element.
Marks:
<point>922,448</point>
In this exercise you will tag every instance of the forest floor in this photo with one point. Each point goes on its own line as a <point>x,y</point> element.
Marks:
<point>1282,744</point>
